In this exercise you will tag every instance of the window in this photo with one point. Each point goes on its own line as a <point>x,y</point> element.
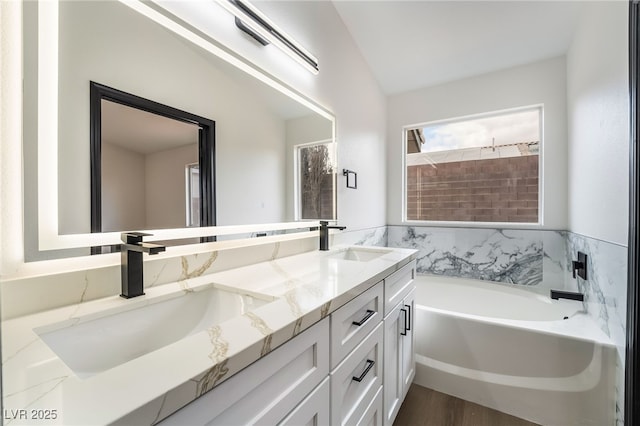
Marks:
<point>315,180</point>
<point>192,172</point>
<point>479,169</point>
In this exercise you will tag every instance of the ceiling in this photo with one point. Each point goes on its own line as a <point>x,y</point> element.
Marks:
<point>144,132</point>
<point>415,44</point>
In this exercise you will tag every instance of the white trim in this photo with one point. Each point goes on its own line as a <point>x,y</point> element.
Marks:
<point>188,170</point>
<point>537,225</point>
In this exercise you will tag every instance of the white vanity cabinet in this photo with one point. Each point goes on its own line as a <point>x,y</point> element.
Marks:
<point>269,390</point>
<point>352,368</point>
<point>399,356</point>
<point>357,358</point>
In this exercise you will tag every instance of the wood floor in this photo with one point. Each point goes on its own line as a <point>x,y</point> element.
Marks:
<point>426,407</point>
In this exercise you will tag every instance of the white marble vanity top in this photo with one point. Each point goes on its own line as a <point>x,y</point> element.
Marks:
<point>297,291</point>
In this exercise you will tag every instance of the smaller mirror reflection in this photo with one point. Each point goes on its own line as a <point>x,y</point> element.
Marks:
<point>149,163</point>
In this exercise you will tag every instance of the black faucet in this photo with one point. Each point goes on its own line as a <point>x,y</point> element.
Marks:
<point>131,262</point>
<point>324,234</point>
<point>559,294</point>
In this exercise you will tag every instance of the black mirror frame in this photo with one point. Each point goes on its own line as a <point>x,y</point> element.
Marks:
<point>206,146</point>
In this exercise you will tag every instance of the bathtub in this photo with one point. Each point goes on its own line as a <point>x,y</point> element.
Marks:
<point>513,350</point>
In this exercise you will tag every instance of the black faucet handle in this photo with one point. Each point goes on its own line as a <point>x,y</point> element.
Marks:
<point>133,237</point>
<point>579,267</point>
<point>324,223</point>
<point>576,265</point>
<point>153,248</point>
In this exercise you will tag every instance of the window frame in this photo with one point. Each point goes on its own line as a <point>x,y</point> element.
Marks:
<point>189,189</point>
<point>468,224</point>
<point>297,199</point>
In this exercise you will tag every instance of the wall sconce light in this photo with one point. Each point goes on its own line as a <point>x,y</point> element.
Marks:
<point>253,22</point>
<point>352,178</point>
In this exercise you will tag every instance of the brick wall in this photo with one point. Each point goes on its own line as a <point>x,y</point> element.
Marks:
<point>495,190</point>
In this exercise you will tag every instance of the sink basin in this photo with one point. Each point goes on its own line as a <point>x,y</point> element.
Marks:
<point>358,254</point>
<point>97,345</point>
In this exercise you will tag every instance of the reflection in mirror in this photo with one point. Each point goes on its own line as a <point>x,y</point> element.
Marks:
<point>128,46</point>
<point>144,157</point>
<point>316,168</point>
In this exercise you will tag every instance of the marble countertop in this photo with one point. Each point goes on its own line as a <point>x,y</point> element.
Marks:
<point>39,388</point>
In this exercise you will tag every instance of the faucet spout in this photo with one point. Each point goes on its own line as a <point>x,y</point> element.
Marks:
<point>559,294</point>
<point>324,234</point>
<point>131,268</point>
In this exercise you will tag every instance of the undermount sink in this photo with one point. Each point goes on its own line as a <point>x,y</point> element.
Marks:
<point>359,254</point>
<point>97,345</point>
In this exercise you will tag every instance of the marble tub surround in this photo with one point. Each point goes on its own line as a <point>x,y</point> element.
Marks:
<point>361,237</point>
<point>539,259</point>
<point>64,282</point>
<point>605,292</point>
<point>303,288</point>
<point>534,258</point>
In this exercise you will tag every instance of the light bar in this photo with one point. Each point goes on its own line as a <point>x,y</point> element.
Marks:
<point>252,21</point>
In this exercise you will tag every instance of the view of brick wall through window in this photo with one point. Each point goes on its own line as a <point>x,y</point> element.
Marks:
<point>482,168</point>
<point>495,190</point>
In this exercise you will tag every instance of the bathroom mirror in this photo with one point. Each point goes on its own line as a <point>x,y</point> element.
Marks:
<point>136,49</point>
<point>152,166</point>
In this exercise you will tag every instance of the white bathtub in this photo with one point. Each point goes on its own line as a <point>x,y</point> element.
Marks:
<point>512,350</point>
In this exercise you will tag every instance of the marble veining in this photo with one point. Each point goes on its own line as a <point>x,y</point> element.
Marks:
<point>297,328</point>
<point>325,311</point>
<point>605,293</point>
<point>298,293</point>
<point>220,346</point>
<point>276,249</point>
<point>76,286</point>
<point>539,259</point>
<point>198,271</point>
<point>365,237</point>
<point>212,378</point>
<point>259,324</point>
<point>510,256</point>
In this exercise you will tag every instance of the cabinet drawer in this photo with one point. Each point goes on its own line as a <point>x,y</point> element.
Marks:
<point>269,389</point>
<point>354,321</point>
<point>355,382</point>
<point>314,410</point>
<point>396,286</point>
<point>373,413</point>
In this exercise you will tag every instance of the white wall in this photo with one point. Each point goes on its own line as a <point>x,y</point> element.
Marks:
<point>538,83</point>
<point>123,189</point>
<point>165,195</point>
<point>345,86</point>
<point>598,123</point>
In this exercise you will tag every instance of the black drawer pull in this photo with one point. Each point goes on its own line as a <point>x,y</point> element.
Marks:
<point>409,323</point>
<point>366,370</point>
<point>366,317</point>
<point>404,332</point>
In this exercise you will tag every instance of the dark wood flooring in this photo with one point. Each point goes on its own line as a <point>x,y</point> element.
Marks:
<point>426,407</point>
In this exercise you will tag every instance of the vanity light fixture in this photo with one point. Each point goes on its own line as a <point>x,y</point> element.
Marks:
<point>257,25</point>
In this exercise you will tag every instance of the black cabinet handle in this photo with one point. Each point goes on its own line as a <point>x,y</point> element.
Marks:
<point>409,322</point>
<point>366,370</point>
<point>366,317</point>
<point>404,333</point>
